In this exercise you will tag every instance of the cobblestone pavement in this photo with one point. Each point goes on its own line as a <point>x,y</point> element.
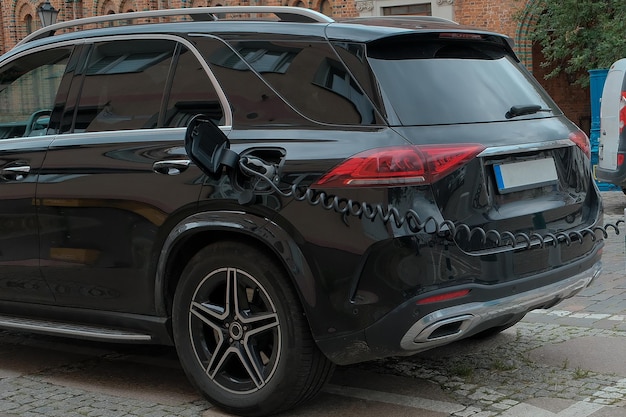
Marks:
<point>569,361</point>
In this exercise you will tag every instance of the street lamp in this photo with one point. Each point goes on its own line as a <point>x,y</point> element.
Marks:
<point>47,14</point>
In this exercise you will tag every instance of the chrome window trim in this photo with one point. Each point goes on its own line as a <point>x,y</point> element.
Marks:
<point>525,147</point>
<point>41,48</point>
<point>133,132</point>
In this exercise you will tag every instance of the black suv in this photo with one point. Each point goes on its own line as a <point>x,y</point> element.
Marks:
<point>274,192</point>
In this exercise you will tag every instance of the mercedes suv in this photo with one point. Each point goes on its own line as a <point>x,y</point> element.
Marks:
<point>274,192</point>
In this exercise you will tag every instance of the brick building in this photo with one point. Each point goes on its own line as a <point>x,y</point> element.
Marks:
<point>19,17</point>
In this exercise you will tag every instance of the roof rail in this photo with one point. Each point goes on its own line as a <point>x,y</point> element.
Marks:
<point>408,18</point>
<point>283,13</point>
<point>435,19</point>
<point>426,19</point>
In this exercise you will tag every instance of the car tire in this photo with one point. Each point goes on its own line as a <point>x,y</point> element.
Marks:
<point>241,333</point>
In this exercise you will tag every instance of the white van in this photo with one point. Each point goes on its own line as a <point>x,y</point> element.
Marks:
<point>612,143</point>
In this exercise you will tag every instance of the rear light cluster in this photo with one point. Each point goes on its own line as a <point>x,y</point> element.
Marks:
<point>455,35</point>
<point>402,165</point>
<point>622,123</point>
<point>582,141</point>
<point>443,297</point>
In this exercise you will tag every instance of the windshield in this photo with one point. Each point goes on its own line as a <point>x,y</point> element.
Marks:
<point>440,81</point>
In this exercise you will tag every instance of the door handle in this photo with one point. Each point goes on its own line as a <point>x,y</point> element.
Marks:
<point>15,173</point>
<point>171,167</point>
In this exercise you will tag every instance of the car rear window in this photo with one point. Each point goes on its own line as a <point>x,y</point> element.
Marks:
<point>440,79</point>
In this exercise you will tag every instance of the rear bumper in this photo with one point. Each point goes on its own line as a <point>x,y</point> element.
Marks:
<point>617,177</point>
<point>411,328</point>
<point>449,324</point>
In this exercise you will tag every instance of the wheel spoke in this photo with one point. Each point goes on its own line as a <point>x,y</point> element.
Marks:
<point>218,357</point>
<point>261,323</point>
<point>209,317</point>
<point>239,294</point>
<point>232,301</point>
<point>248,362</point>
<point>207,314</point>
<point>252,365</point>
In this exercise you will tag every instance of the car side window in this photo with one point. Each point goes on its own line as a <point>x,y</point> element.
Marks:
<point>28,86</point>
<point>192,93</point>
<point>123,85</point>
<point>310,77</point>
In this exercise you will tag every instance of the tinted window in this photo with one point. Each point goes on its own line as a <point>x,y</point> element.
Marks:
<point>192,93</point>
<point>309,76</point>
<point>445,81</point>
<point>123,85</point>
<point>252,102</point>
<point>28,86</point>
<point>354,57</point>
<point>69,89</point>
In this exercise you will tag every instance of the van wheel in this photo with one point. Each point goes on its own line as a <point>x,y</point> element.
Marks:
<point>241,334</point>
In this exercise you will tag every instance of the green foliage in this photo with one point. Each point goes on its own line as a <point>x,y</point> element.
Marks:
<point>579,35</point>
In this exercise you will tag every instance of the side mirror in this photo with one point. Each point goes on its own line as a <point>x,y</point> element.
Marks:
<point>613,116</point>
<point>208,147</point>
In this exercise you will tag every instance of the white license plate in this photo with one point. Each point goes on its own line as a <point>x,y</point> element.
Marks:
<point>523,175</point>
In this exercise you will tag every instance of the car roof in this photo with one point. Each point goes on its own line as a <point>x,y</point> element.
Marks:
<point>241,21</point>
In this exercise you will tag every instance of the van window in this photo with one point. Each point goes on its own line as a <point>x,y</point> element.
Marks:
<point>28,86</point>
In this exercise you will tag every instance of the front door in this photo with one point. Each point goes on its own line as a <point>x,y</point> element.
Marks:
<point>28,85</point>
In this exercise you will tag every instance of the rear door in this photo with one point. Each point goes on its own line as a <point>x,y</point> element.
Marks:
<point>612,117</point>
<point>116,177</point>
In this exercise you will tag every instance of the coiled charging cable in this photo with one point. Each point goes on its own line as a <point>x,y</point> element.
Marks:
<point>266,179</point>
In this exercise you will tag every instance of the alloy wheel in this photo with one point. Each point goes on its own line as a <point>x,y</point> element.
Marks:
<point>235,330</point>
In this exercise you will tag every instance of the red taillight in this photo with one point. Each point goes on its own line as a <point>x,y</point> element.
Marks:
<point>403,165</point>
<point>582,141</point>
<point>454,35</point>
<point>620,159</point>
<point>443,297</point>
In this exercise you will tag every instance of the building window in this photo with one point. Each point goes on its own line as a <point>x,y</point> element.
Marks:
<point>28,24</point>
<point>326,8</point>
<point>423,9</point>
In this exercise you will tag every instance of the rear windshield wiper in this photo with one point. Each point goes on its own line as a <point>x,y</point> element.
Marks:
<point>524,109</point>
